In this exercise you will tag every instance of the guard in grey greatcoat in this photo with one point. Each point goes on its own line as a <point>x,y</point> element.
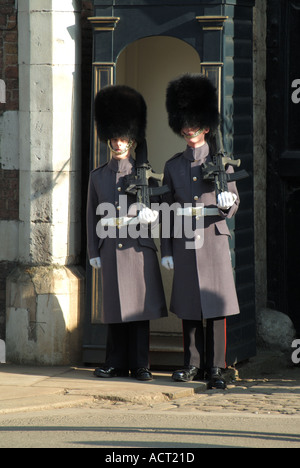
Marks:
<point>203,285</point>
<point>119,240</point>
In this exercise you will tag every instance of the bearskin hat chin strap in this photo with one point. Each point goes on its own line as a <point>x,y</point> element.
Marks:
<point>120,152</point>
<point>195,135</point>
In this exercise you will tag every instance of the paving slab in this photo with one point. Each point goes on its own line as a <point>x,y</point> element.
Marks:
<point>26,376</point>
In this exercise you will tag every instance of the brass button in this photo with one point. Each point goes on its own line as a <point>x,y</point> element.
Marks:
<point>119,189</point>
<point>120,246</point>
<point>196,197</point>
<point>118,208</point>
<point>195,179</point>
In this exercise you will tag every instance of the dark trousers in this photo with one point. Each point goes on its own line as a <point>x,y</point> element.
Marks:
<point>203,351</point>
<point>127,345</point>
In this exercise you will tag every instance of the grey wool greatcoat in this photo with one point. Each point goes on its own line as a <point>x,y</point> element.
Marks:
<point>203,285</point>
<point>132,288</point>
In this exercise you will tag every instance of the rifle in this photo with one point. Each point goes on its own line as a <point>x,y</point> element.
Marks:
<point>139,184</point>
<point>216,169</point>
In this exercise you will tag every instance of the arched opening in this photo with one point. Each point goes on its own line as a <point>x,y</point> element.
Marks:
<point>148,65</point>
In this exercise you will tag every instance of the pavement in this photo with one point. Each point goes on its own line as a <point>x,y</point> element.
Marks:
<point>266,384</point>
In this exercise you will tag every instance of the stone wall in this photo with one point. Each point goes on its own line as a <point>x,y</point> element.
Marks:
<point>41,143</point>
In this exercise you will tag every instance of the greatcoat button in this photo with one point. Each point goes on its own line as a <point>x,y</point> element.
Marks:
<point>196,198</point>
<point>120,246</point>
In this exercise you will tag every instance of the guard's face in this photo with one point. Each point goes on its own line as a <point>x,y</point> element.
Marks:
<point>119,144</point>
<point>121,147</point>
<point>194,137</point>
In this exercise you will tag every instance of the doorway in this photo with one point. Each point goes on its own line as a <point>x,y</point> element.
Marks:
<point>148,65</point>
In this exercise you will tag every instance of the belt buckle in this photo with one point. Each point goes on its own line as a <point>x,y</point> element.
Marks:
<point>198,211</point>
<point>119,222</point>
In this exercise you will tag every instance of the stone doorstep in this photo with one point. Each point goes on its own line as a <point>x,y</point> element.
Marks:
<point>81,382</point>
<point>34,389</point>
<point>29,388</point>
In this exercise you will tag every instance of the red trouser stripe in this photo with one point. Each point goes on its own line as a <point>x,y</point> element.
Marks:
<point>225,331</point>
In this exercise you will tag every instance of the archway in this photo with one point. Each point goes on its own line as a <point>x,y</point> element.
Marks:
<point>148,65</point>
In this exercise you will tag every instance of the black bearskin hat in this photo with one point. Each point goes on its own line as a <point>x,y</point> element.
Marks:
<point>120,111</point>
<point>192,102</point>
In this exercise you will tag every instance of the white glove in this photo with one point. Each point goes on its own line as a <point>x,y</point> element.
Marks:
<point>226,200</point>
<point>147,216</point>
<point>168,263</point>
<point>96,263</point>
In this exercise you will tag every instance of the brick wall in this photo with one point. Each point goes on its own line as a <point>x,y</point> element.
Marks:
<point>9,179</point>
<point>9,54</point>
<point>9,195</point>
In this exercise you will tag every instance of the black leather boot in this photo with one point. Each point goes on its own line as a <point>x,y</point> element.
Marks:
<point>109,372</point>
<point>216,380</point>
<point>142,374</point>
<point>188,374</point>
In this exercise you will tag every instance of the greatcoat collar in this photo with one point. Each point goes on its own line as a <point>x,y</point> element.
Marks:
<point>197,154</point>
<point>122,165</point>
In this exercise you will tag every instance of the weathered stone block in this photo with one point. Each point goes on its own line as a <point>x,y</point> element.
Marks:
<point>44,315</point>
